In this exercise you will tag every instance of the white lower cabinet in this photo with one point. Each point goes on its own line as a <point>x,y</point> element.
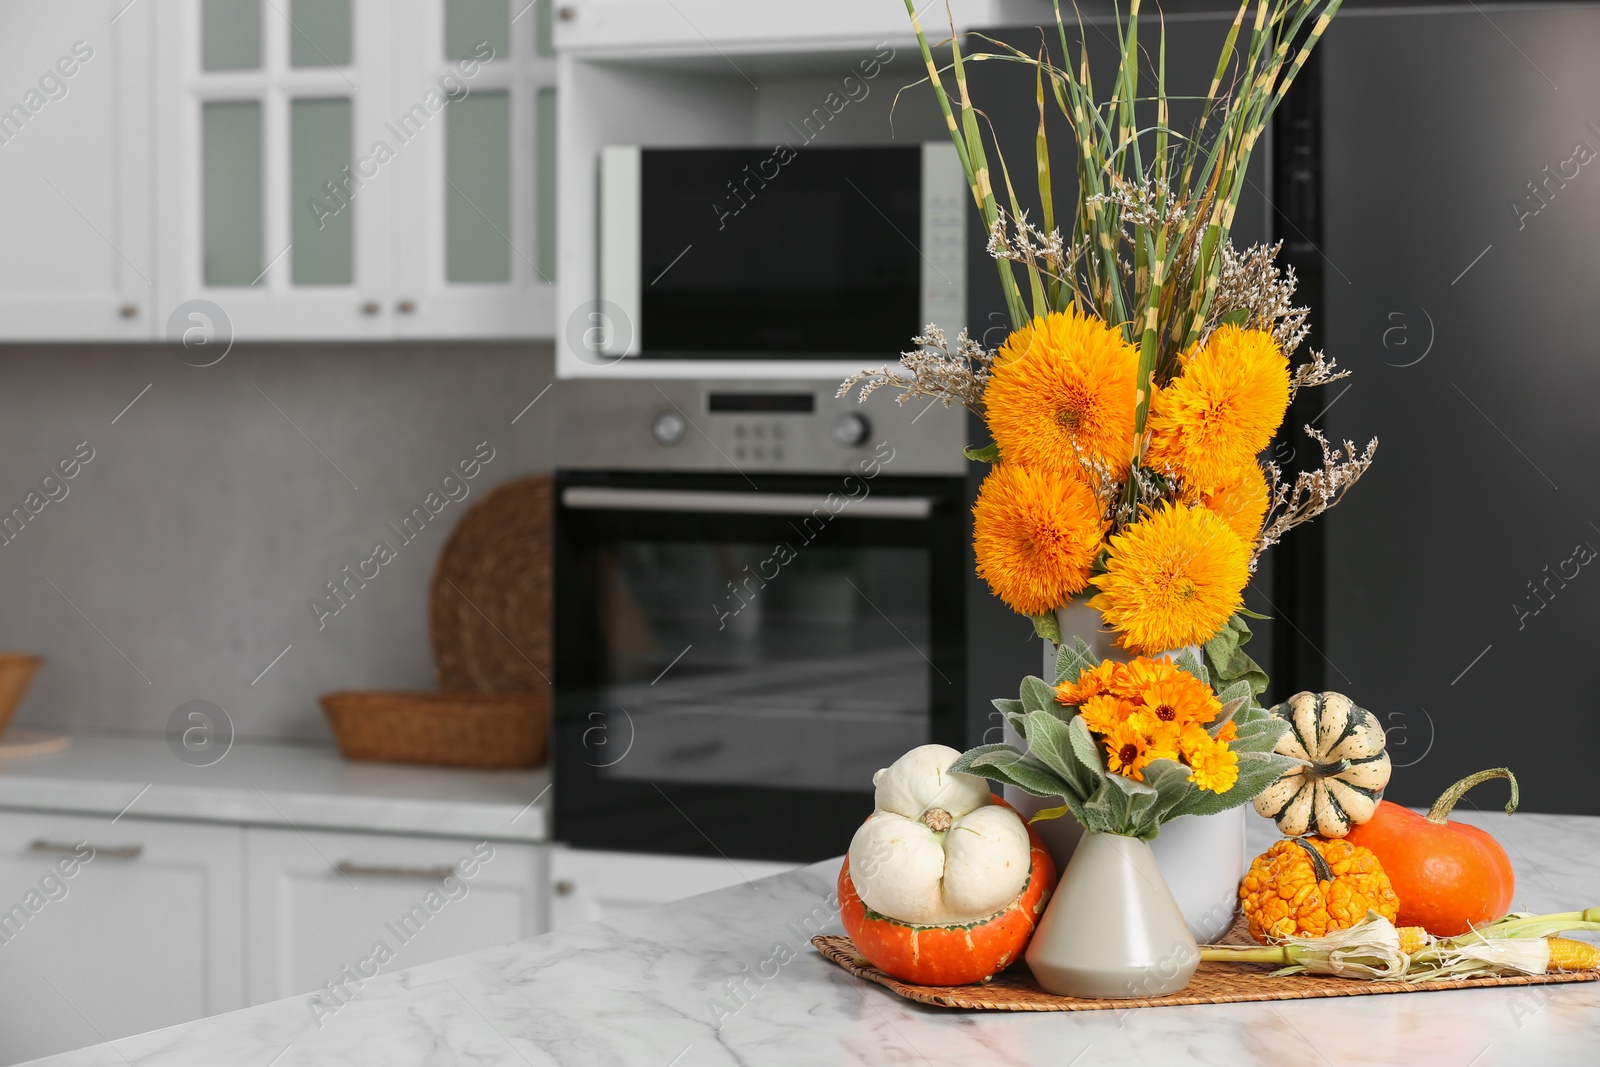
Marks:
<point>329,911</point>
<point>110,928</point>
<point>588,885</point>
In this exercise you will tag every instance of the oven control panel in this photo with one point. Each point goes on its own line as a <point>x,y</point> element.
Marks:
<point>798,427</point>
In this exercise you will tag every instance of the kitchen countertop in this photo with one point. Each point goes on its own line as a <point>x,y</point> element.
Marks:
<point>278,784</point>
<point>657,989</point>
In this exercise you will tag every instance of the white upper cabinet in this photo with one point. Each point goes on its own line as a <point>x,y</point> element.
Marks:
<point>473,132</point>
<point>354,169</point>
<point>75,261</point>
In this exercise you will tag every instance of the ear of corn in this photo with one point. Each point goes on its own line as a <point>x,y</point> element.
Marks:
<point>1569,955</point>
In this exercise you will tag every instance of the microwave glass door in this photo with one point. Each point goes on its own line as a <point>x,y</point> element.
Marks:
<point>780,254</point>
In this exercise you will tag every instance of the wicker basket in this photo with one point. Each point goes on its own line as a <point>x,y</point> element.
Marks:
<point>16,675</point>
<point>452,729</point>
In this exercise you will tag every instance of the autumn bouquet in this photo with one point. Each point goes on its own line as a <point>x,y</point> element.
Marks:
<point>1149,366</point>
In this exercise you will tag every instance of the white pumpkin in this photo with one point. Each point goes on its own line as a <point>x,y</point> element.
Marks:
<point>937,850</point>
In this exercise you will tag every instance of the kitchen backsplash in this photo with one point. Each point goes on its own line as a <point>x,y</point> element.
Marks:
<point>240,504</point>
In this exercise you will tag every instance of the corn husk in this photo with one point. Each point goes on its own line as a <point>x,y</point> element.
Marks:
<point>1369,949</point>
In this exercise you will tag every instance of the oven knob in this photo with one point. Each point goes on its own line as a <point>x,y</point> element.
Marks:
<point>668,427</point>
<point>850,430</point>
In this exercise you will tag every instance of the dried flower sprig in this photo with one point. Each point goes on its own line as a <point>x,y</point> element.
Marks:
<point>934,370</point>
<point>1313,491</point>
<point>1318,370</point>
<point>1252,281</point>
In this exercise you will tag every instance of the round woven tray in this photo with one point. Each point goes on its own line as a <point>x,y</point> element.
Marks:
<point>489,604</point>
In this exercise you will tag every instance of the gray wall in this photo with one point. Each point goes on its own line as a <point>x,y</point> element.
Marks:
<point>196,536</point>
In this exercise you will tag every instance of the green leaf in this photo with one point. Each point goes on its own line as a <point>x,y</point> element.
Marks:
<point>1085,748</point>
<point>1047,626</point>
<point>1006,705</point>
<point>1237,317</point>
<point>1072,660</point>
<point>1037,695</point>
<point>1050,741</point>
<point>1018,721</point>
<point>1006,765</point>
<point>1247,613</point>
<point>1228,660</point>
<point>1189,662</point>
<point>987,454</point>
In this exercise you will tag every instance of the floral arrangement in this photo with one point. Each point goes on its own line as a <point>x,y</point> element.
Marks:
<point>1130,404</point>
<point>1129,746</point>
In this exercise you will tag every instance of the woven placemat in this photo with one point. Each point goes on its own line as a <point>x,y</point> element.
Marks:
<point>1213,983</point>
<point>489,612</point>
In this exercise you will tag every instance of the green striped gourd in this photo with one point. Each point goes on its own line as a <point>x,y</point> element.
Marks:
<point>1345,771</point>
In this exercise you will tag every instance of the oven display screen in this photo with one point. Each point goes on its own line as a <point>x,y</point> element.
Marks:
<point>812,677</point>
<point>788,253</point>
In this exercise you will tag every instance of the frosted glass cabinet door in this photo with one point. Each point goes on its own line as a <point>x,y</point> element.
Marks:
<point>75,171</point>
<point>469,82</point>
<point>277,206</point>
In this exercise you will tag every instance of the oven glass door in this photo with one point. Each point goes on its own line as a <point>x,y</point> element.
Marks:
<point>731,660</point>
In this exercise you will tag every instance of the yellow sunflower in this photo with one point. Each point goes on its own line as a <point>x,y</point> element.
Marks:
<point>1035,534</point>
<point>1224,408</point>
<point>1128,752</point>
<point>1172,579</point>
<point>1241,502</point>
<point>1214,767</point>
<point>1061,386</point>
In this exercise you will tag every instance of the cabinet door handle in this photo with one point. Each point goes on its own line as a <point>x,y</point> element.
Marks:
<point>432,874</point>
<point>371,307</point>
<point>565,887</point>
<point>406,306</point>
<point>116,852</point>
<point>129,311</point>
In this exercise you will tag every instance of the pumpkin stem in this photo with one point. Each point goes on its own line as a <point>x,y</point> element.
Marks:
<point>937,819</point>
<point>1440,812</point>
<point>1329,770</point>
<point>1318,862</point>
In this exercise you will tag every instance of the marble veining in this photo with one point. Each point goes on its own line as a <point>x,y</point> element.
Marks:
<point>262,783</point>
<point>730,978</point>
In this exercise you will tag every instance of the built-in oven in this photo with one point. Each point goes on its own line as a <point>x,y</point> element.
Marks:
<point>768,607</point>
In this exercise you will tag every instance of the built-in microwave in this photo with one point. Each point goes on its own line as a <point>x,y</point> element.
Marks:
<point>805,262</point>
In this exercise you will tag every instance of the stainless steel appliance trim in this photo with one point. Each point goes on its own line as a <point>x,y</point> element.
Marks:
<point>594,497</point>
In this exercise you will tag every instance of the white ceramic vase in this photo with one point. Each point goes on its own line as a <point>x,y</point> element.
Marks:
<point>1112,928</point>
<point>1202,858</point>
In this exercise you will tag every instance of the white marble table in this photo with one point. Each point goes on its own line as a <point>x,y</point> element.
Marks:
<point>658,990</point>
<point>278,784</point>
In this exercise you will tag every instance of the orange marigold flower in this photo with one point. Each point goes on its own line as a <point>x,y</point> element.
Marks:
<point>1140,674</point>
<point>1176,703</point>
<point>1035,534</point>
<point>1229,731</point>
<point>1215,766</point>
<point>1172,579</point>
<point>1092,681</point>
<point>1128,752</point>
<point>1104,713</point>
<point>1062,386</point>
<point>1241,502</point>
<point>1208,422</point>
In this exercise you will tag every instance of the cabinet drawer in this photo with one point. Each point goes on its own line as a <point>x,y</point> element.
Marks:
<point>113,928</point>
<point>342,907</point>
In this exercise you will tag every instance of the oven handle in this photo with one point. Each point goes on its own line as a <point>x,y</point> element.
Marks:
<point>606,498</point>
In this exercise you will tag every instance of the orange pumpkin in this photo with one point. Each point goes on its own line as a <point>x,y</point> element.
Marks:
<point>1450,876</point>
<point>958,954</point>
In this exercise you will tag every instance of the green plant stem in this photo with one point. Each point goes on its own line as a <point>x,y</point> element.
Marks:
<point>1440,812</point>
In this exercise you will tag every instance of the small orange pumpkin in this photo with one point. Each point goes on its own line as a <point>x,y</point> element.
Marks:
<point>1450,876</point>
<point>958,954</point>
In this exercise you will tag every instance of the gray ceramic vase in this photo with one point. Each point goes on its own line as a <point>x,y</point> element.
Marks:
<point>1112,929</point>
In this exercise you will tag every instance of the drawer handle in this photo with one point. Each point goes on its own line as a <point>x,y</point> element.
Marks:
<point>116,852</point>
<point>432,874</point>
